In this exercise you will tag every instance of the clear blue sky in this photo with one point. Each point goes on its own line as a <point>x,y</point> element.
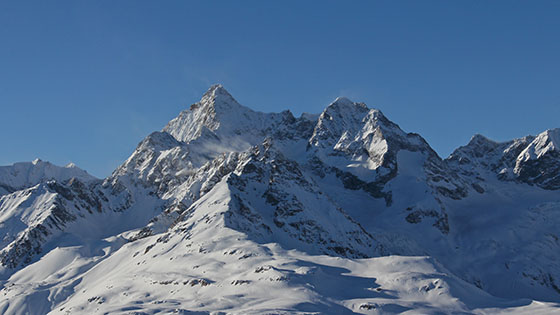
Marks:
<point>85,81</point>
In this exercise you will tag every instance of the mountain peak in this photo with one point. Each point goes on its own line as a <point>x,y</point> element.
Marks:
<point>553,135</point>
<point>343,114</point>
<point>219,117</point>
<point>345,103</point>
<point>218,97</point>
<point>479,139</point>
<point>217,89</point>
<point>209,113</point>
<point>343,100</point>
<point>284,203</point>
<point>478,147</point>
<point>544,143</point>
<point>26,174</point>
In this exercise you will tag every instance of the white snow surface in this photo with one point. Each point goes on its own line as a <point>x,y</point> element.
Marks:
<point>232,211</point>
<point>545,142</point>
<point>26,174</point>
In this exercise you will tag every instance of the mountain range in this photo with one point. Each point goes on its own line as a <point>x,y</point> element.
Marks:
<point>230,210</point>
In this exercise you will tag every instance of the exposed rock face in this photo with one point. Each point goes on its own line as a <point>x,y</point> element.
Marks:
<point>539,162</point>
<point>347,183</point>
<point>531,160</point>
<point>218,123</point>
<point>53,207</point>
<point>267,180</point>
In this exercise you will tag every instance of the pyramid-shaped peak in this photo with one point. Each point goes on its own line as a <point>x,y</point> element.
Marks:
<point>480,139</point>
<point>344,102</point>
<point>217,97</point>
<point>546,141</point>
<point>552,135</point>
<point>346,110</point>
<point>477,144</point>
<point>219,114</point>
<point>217,89</point>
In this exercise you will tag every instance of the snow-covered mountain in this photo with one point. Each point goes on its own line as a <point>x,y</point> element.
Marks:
<point>26,174</point>
<point>232,210</point>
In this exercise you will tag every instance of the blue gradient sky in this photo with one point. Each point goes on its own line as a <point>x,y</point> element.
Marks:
<point>85,81</point>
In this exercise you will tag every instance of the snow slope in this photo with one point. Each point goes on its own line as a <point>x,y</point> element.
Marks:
<point>26,174</point>
<point>232,210</point>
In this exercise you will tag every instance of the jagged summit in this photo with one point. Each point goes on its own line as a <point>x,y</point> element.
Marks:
<point>478,145</point>
<point>539,162</point>
<point>546,142</point>
<point>231,209</point>
<point>345,104</point>
<point>219,116</point>
<point>219,99</point>
<point>217,112</point>
<point>478,139</point>
<point>343,101</point>
<point>217,89</point>
<point>532,160</point>
<point>341,116</point>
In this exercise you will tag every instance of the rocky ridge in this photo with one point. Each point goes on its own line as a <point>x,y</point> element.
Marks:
<point>347,183</point>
